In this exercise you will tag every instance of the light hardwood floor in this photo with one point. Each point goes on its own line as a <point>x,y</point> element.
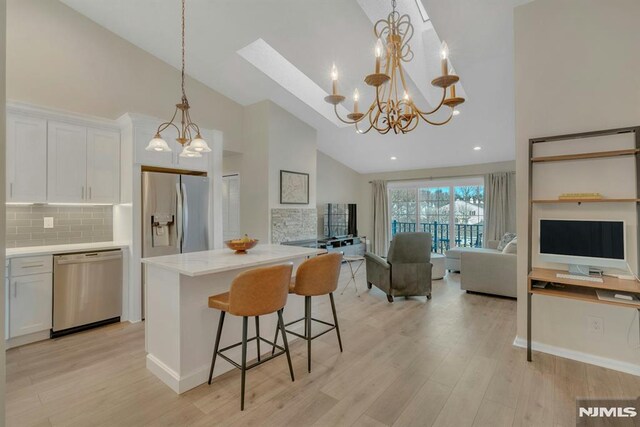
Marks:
<point>446,362</point>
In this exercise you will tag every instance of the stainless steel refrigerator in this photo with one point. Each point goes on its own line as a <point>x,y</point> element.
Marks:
<point>175,213</point>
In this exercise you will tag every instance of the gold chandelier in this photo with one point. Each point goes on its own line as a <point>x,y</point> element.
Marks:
<point>393,108</point>
<point>191,147</point>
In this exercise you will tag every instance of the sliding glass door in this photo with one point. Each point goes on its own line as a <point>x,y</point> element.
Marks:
<point>452,211</point>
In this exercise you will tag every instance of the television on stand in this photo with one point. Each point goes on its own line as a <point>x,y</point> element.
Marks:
<point>340,229</point>
<point>340,220</point>
<point>583,244</point>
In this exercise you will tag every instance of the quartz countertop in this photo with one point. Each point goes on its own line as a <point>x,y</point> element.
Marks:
<point>61,249</point>
<point>220,260</point>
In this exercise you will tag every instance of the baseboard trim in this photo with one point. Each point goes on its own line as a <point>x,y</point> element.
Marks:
<point>27,339</point>
<point>182,383</point>
<point>579,356</point>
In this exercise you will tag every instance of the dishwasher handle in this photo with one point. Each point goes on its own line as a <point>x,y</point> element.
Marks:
<point>87,258</point>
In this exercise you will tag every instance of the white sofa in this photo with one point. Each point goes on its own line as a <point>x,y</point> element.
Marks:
<point>484,270</point>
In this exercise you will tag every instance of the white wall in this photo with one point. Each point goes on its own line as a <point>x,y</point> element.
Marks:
<point>292,147</point>
<point>274,140</point>
<point>580,73</point>
<point>366,226</point>
<point>337,183</point>
<point>231,163</point>
<point>254,173</point>
<point>58,58</point>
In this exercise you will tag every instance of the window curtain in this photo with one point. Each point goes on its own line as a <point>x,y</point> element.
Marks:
<point>499,205</point>
<point>380,217</point>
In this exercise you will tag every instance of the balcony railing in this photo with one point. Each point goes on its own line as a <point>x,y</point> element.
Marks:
<point>466,235</point>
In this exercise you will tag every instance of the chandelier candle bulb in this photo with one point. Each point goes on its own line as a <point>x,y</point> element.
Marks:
<point>444,54</point>
<point>453,91</point>
<point>334,79</point>
<point>378,55</point>
<point>356,97</point>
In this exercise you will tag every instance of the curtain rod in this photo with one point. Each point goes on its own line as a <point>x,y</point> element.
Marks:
<point>431,178</point>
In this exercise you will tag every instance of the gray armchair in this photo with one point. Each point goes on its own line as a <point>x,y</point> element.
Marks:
<point>407,269</point>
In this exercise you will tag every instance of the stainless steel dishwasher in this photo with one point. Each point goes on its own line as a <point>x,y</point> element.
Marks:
<point>87,290</point>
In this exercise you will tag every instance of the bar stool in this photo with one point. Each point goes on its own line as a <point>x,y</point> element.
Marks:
<point>255,292</point>
<point>316,276</point>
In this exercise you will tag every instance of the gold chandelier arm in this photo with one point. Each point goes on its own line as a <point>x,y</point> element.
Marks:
<point>349,122</point>
<point>165,125</point>
<point>374,120</point>
<point>435,123</point>
<point>408,127</point>
<point>361,132</point>
<point>191,124</point>
<point>428,113</point>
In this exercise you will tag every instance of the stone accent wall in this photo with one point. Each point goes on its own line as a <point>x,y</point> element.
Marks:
<point>71,224</point>
<point>289,224</point>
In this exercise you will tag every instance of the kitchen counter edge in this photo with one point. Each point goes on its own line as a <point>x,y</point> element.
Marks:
<point>63,249</point>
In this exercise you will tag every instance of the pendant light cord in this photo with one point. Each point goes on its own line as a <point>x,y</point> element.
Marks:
<point>184,96</point>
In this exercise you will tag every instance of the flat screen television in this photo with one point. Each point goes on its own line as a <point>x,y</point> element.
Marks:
<point>340,220</point>
<point>581,243</point>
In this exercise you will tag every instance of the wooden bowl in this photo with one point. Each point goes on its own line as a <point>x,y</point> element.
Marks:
<point>241,247</point>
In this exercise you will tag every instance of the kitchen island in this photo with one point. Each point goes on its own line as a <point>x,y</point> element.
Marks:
<point>180,327</point>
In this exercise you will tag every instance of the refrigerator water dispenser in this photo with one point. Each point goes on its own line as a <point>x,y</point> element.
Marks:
<point>161,224</point>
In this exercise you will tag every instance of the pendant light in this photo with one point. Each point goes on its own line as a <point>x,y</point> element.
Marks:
<point>191,147</point>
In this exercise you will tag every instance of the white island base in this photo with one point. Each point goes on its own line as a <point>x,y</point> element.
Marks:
<point>180,328</point>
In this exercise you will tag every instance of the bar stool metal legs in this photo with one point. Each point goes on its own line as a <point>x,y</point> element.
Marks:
<point>335,320</point>
<point>243,364</point>
<point>308,320</point>
<point>217,344</point>
<point>286,343</point>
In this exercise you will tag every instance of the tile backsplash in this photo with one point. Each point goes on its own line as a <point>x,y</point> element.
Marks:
<point>71,224</point>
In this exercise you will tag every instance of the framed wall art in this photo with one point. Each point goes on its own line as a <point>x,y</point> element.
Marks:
<point>294,188</point>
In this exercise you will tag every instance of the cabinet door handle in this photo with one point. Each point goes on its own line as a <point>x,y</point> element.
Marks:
<point>90,196</point>
<point>11,189</point>
<point>83,192</point>
<point>15,289</point>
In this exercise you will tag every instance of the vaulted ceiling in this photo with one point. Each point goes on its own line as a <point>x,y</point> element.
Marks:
<point>282,50</point>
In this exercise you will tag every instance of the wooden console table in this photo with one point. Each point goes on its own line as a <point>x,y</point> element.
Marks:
<point>581,290</point>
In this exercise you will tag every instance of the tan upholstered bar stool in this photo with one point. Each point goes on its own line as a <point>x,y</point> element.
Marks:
<point>253,293</point>
<point>315,277</point>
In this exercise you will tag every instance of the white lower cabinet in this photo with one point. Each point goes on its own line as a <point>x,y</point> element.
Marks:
<point>29,296</point>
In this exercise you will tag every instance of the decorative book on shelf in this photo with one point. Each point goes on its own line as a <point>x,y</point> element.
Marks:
<point>574,196</point>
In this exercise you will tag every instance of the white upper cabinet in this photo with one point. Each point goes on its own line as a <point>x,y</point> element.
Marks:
<point>67,163</point>
<point>84,164</point>
<point>26,159</point>
<point>103,166</point>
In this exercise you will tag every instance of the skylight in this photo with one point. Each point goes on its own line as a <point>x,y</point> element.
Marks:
<point>423,11</point>
<point>268,60</point>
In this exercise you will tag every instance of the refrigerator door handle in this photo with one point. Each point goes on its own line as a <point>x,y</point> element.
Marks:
<point>179,218</point>
<point>185,214</point>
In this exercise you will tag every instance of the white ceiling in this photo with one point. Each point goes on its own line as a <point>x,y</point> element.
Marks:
<point>311,35</point>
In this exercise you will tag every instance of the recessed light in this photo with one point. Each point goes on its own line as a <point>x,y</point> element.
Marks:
<point>456,112</point>
<point>478,148</point>
<point>394,158</point>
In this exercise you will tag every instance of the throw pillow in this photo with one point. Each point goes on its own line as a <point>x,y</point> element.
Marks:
<point>511,247</point>
<point>505,239</point>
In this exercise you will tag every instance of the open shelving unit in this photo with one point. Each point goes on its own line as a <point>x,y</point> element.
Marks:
<point>569,288</point>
